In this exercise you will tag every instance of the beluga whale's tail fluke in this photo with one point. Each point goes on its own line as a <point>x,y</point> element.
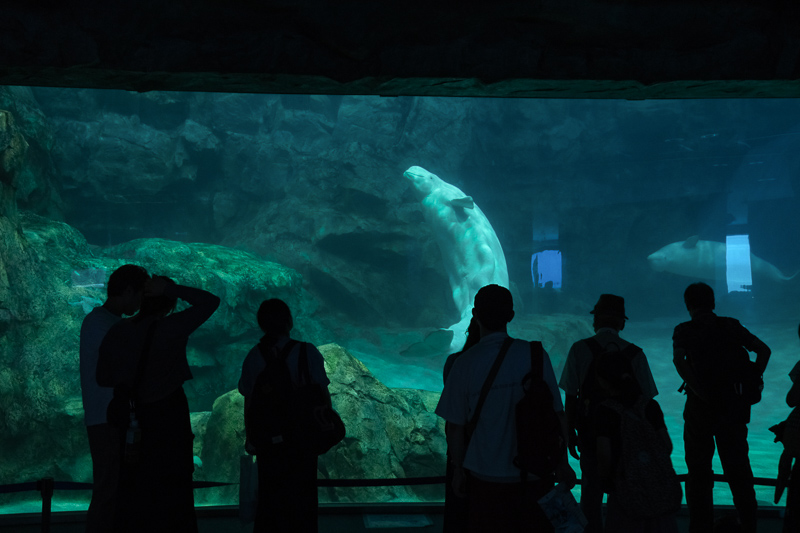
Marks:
<point>472,254</point>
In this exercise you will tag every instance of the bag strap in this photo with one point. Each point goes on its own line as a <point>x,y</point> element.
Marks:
<point>473,422</point>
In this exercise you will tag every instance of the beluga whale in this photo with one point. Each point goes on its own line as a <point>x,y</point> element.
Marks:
<point>695,258</point>
<point>472,254</point>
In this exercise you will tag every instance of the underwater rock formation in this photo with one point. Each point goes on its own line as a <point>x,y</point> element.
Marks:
<point>26,143</point>
<point>391,433</point>
<point>472,253</point>
<point>44,299</point>
<point>304,181</point>
<point>35,358</point>
<point>41,425</point>
<point>242,281</point>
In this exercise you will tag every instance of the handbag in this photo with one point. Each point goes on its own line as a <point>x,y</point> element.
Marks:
<point>318,427</point>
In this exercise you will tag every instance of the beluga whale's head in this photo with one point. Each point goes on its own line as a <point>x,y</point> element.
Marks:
<point>422,180</point>
<point>692,257</point>
<point>658,261</point>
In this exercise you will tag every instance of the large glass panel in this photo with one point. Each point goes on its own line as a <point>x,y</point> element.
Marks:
<point>315,200</point>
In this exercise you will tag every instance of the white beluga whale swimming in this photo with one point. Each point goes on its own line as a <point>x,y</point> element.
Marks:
<point>706,260</point>
<point>472,254</point>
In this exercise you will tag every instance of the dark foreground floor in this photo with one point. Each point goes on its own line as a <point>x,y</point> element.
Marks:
<point>332,520</point>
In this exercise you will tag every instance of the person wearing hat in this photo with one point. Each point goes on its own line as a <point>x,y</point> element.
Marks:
<point>583,394</point>
<point>487,459</point>
<point>705,350</point>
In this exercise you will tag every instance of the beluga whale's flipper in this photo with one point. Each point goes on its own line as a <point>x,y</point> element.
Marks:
<point>472,254</point>
<point>465,203</point>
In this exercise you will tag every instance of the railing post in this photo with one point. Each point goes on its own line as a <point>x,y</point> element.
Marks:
<point>45,486</point>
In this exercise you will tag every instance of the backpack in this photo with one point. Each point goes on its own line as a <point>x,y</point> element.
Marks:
<point>280,413</point>
<point>267,413</point>
<point>591,394</point>
<point>540,441</point>
<point>722,366</point>
<point>645,481</point>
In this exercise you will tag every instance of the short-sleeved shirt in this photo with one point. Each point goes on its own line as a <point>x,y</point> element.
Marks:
<point>254,364</point>
<point>580,357</point>
<point>493,446</point>
<point>95,398</point>
<point>688,334</point>
<point>703,331</point>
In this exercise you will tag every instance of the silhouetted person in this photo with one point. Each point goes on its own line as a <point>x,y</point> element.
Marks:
<point>704,351</point>
<point>498,499</point>
<point>287,477</point>
<point>125,288</point>
<point>582,395</point>
<point>456,509</point>
<point>625,404</point>
<point>156,493</point>
<point>788,433</point>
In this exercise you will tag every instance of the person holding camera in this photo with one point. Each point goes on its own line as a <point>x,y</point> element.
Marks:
<point>125,290</point>
<point>146,356</point>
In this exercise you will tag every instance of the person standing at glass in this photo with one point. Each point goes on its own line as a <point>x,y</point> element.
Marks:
<point>583,394</point>
<point>287,476</point>
<point>125,288</point>
<point>500,499</point>
<point>156,493</point>
<point>788,434</point>
<point>703,352</point>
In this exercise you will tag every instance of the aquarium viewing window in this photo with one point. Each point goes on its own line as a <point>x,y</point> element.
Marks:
<point>376,220</point>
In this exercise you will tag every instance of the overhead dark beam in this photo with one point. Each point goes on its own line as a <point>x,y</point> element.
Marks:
<point>505,48</point>
<point>444,87</point>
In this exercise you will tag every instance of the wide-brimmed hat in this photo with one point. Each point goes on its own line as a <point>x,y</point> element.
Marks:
<point>610,305</point>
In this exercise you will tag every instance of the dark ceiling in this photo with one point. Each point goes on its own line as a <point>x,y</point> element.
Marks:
<point>546,48</point>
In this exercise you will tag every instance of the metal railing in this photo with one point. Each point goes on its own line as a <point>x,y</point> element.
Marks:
<point>47,486</point>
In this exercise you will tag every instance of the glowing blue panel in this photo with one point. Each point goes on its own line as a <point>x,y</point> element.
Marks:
<point>546,268</point>
<point>737,263</point>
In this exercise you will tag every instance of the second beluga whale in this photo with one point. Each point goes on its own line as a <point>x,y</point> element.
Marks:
<point>696,258</point>
<point>472,254</point>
